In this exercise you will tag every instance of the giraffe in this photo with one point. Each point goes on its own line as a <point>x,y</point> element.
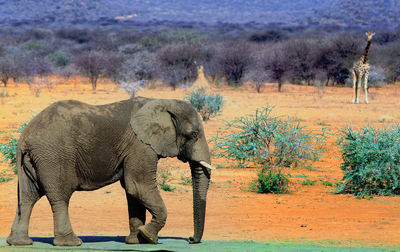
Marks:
<point>360,70</point>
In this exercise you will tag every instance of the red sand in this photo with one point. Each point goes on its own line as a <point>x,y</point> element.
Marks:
<point>309,213</point>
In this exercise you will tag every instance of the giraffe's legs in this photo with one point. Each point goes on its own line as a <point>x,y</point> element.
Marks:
<point>354,86</point>
<point>359,79</point>
<point>366,88</point>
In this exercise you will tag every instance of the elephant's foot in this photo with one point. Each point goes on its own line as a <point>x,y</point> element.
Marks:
<point>18,239</point>
<point>149,234</point>
<point>67,240</point>
<point>135,238</point>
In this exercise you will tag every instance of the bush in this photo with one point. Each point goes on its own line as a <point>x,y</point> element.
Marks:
<point>9,149</point>
<point>207,105</point>
<point>163,177</point>
<point>273,144</point>
<point>59,59</point>
<point>270,181</point>
<point>269,141</point>
<point>370,161</point>
<point>266,36</point>
<point>92,65</point>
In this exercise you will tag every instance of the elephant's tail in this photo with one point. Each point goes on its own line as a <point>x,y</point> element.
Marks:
<point>27,167</point>
<point>27,178</point>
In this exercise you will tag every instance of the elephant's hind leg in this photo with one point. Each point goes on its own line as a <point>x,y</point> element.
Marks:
<point>59,192</point>
<point>63,233</point>
<point>28,195</point>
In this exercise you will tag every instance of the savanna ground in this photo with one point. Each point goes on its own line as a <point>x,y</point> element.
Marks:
<point>310,214</point>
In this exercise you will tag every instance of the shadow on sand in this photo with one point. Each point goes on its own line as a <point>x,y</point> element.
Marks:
<point>87,240</point>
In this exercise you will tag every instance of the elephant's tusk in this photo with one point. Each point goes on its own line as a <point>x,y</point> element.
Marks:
<point>207,165</point>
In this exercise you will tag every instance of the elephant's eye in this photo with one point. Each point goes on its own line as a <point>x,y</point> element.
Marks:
<point>195,134</point>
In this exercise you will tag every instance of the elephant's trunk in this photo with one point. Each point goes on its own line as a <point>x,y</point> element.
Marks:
<point>200,181</point>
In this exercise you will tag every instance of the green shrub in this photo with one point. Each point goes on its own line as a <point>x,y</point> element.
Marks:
<point>4,179</point>
<point>9,149</point>
<point>308,182</point>
<point>163,177</point>
<point>272,143</point>
<point>269,140</point>
<point>207,105</point>
<point>59,59</point>
<point>167,187</point>
<point>33,45</point>
<point>270,181</point>
<point>186,181</point>
<point>370,161</point>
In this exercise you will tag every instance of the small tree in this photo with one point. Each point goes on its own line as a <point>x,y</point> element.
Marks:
<point>276,65</point>
<point>233,61</point>
<point>114,67</point>
<point>178,63</point>
<point>12,65</point>
<point>91,64</point>
<point>6,70</point>
<point>300,60</point>
<point>258,74</point>
<point>141,67</point>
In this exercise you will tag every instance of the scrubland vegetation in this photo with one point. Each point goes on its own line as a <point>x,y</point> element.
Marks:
<point>231,55</point>
<point>137,57</point>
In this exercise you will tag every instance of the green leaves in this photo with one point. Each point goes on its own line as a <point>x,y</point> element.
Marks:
<point>371,161</point>
<point>271,181</point>
<point>206,104</point>
<point>9,149</point>
<point>269,140</point>
<point>272,143</point>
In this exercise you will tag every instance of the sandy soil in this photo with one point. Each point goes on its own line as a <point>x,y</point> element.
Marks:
<point>309,213</point>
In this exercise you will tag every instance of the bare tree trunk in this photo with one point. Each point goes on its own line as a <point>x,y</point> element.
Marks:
<point>279,85</point>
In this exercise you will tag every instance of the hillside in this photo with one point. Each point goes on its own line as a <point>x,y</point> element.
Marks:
<point>368,14</point>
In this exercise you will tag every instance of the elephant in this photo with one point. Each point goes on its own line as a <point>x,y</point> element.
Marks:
<point>73,146</point>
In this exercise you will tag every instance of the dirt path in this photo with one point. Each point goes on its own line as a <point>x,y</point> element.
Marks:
<point>309,213</point>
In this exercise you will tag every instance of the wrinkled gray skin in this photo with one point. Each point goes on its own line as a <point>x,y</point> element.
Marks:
<point>72,146</point>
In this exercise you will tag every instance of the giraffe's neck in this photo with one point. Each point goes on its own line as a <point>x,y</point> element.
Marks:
<point>366,52</point>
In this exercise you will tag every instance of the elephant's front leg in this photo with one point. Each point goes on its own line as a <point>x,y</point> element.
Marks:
<point>137,218</point>
<point>154,203</point>
<point>148,195</point>
<point>140,183</point>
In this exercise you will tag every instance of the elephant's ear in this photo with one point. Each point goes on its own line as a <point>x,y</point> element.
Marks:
<point>154,125</point>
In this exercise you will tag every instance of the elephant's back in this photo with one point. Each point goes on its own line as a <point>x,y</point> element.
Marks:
<point>53,124</point>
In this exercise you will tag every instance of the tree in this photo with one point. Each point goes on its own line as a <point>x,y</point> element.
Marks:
<point>232,61</point>
<point>335,56</point>
<point>142,67</point>
<point>91,64</point>
<point>178,63</point>
<point>113,68</point>
<point>300,59</point>
<point>276,64</point>
<point>258,74</point>
<point>6,70</point>
<point>13,64</point>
